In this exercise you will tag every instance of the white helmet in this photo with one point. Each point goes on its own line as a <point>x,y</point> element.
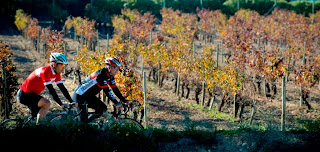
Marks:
<point>112,61</point>
<point>58,58</point>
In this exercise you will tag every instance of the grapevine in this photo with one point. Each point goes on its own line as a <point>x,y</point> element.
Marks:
<point>11,80</point>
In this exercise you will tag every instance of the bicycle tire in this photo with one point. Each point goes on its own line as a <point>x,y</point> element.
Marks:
<point>11,124</point>
<point>125,122</point>
<point>132,121</point>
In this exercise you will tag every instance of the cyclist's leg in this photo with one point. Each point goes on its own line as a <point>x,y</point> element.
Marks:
<point>31,100</point>
<point>81,106</point>
<point>44,104</point>
<point>96,104</point>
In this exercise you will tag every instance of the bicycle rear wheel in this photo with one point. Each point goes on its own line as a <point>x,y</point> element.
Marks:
<point>11,124</point>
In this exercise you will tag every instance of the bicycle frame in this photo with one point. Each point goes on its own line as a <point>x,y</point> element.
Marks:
<point>103,120</point>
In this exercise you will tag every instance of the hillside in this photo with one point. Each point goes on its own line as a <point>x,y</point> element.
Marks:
<point>165,109</point>
<point>170,112</point>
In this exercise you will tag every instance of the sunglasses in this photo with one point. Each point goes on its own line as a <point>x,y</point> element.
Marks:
<point>117,68</point>
<point>62,65</point>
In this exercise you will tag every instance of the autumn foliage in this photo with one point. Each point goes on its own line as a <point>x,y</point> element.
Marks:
<point>255,47</point>
<point>10,83</point>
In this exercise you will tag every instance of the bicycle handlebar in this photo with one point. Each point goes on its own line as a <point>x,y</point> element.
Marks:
<point>125,109</point>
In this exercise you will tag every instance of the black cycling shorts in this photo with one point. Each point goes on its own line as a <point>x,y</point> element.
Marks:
<point>31,100</point>
<point>92,101</point>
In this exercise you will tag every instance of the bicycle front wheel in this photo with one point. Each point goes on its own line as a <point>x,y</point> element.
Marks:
<point>125,123</point>
<point>132,123</point>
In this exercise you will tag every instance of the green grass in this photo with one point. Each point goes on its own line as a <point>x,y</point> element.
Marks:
<point>214,113</point>
<point>308,125</point>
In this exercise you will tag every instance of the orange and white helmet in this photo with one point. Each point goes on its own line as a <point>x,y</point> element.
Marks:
<point>112,61</point>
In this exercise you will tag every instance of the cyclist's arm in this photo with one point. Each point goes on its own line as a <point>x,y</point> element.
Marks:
<point>54,94</point>
<point>109,94</point>
<point>65,91</point>
<point>117,92</point>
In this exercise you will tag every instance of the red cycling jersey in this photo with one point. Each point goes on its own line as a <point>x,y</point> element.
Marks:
<point>36,81</point>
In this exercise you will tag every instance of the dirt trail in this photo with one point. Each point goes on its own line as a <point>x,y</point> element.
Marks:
<point>166,110</point>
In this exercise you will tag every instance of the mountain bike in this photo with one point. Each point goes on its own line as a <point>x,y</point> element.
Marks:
<point>111,119</point>
<point>108,119</point>
<point>21,122</point>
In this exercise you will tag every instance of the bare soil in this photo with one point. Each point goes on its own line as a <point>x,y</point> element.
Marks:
<point>168,111</point>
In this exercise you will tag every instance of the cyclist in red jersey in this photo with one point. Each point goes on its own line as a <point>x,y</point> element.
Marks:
<point>102,79</point>
<point>38,80</point>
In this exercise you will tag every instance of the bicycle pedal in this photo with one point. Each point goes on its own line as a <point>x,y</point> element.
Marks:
<point>100,122</point>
